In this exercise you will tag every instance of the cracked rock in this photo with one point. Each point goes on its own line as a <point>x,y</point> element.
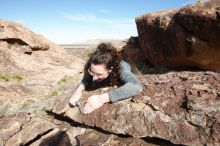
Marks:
<point>184,114</point>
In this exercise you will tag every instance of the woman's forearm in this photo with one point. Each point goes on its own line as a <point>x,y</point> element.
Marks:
<point>125,91</point>
<point>105,98</point>
<point>80,87</point>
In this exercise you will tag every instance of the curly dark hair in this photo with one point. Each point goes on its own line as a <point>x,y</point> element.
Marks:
<point>107,54</point>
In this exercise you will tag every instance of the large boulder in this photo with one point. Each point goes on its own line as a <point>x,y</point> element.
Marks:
<point>22,49</point>
<point>180,107</point>
<point>32,67</point>
<point>189,36</point>
<point>13,32</point>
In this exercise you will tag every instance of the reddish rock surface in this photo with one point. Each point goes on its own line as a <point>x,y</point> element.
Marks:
<point>180,107</point>
<point>189,36</point>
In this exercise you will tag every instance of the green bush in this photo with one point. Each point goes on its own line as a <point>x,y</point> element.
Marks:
<point>64,79</point>
<point>4,77</point>
<point>17,77</point>
<point>10,77</point>
<point>137,68</point>
<point>26,103</point>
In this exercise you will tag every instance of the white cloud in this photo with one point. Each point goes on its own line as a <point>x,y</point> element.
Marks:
<point>76,35</point>
<point>81,17</point>
<point>127,23</point>
<point>89,27</point>
<point>123,23</point>
<point>104,11</point>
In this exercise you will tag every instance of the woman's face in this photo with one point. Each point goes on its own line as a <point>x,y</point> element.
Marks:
<point>98,71</point>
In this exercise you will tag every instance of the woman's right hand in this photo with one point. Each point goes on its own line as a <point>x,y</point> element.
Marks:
<point>77,94</point>
<point>75,97</point>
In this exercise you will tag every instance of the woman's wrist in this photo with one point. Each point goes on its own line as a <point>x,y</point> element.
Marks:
<point>105,98</point>
<point>81,87</point>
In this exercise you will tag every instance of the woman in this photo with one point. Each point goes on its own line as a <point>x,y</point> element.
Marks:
<point>106,66</point>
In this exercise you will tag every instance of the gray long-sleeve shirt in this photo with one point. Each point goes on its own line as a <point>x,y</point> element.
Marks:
<point>131,86</point>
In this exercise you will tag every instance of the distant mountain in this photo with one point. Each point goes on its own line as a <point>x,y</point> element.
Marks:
<point>97,41</point>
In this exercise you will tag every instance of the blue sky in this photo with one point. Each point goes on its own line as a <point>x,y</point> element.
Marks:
<point>73,21</point>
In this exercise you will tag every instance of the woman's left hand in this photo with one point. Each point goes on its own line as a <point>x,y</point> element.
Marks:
<point>94,102</point>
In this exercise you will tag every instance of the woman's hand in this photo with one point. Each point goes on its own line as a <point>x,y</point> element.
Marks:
<point>76,95</point>
<point>94,102</point>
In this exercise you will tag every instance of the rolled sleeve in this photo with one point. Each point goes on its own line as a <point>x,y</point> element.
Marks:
<point>131,86</point>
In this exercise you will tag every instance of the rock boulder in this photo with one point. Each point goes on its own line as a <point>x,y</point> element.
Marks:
<point>189,36</point>
<point>32,67</point>
<point>180,107</point>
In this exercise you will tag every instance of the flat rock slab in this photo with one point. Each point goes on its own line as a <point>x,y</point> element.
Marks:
<point>34,130</point>
<point>180,107</point>
<point>21,128</point>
